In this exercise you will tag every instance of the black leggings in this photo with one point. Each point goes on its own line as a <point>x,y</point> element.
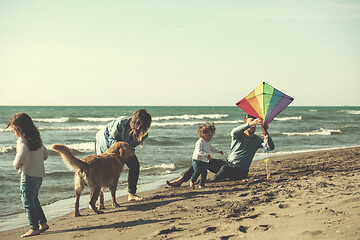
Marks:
<point>133,176</point>
<point>222,169</point>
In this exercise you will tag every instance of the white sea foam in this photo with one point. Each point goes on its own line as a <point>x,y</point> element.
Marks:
<point>188,117</point>
<point>164,166</point>
<point>6,149</point>
<point>51,120</point>
<point>109,119</point>
<point>78,128</point>
<point>83,147</point>
<point>93,119</point>
<point>321,132</point>
<point>288,118</point>
<point>190,123</point>
<point>6,130</point>
<point>352,112</point>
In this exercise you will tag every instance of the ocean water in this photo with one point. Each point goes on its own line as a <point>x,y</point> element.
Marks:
<point>164,155</point>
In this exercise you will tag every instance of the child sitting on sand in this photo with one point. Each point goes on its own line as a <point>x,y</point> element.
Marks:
<point>201,154</point>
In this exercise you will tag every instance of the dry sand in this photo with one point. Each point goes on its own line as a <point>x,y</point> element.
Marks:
<point>309,196</point>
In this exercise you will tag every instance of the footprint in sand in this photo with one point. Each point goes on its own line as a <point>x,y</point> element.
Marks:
<point>168,230</point>
<point>226,237</point>
<point>273,214</point>
<point>243,229</point>
<point>283,205</point>
<point>262,228</point>
<point>210,229</point>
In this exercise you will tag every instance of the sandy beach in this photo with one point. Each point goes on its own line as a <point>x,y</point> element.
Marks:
<point>312,195</point>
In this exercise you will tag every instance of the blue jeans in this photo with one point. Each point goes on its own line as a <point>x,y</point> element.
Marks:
<point>222,169</point>
<point>29,189</point>
<point>200,168</point>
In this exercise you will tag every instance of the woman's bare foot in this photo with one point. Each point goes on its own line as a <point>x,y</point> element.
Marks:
<point>192,185</point>
<point>31,233</point>
<point>201,186</point>
<point>43,227</point>
<point>133,197</point>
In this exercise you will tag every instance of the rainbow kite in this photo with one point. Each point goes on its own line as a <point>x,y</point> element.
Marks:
<point>265,102</point>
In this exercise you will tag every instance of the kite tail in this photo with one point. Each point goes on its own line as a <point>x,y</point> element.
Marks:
<point>266,150</point>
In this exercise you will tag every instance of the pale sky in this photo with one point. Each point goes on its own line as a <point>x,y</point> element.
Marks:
<point>188,52</point>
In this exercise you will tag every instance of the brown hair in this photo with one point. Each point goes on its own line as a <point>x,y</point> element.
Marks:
<point>143,118</point>
<point>204,129</point>
<point>23,125</point>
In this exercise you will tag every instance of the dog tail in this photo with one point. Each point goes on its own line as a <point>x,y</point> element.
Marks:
<point>70,160</point>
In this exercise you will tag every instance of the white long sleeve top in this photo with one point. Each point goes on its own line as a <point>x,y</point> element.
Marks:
<point>28,162</point>
<point>203,149</point>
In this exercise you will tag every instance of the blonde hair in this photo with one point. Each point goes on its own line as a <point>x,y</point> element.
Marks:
<point>143,118</point>
<point>204,129</point>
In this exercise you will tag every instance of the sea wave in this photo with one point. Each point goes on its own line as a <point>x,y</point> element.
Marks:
<point>188,117</point>
<point>94,119</point>
<point>320,132</point>
<point>351,112</point>
<point>164,166</point>
<point>72,119</point>
<point>78,128</point>
<point>76,148</point>
<point>191,123</point>
<point>7,149</point>
<point>82,147</point>
<point>6,130</point>
<point>51,120</point>
<point>288,118</point>
<point>109,119</point>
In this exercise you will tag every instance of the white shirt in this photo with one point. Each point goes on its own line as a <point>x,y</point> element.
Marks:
<point>203,149</point>
<point>30,163</point>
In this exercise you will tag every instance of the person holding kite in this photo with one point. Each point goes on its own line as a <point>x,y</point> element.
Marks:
<point>244,145</point>
<point>262,105</point>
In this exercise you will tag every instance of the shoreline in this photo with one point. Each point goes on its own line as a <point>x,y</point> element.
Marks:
<point>66,205</point>
<point>174,212</point>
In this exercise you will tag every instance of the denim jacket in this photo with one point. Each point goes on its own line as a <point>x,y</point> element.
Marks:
<point>115,131</point>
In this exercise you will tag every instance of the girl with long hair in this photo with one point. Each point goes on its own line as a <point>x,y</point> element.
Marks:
<point>29,162</point>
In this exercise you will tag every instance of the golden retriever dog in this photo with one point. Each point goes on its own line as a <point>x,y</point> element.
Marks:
<point>97,172</point>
